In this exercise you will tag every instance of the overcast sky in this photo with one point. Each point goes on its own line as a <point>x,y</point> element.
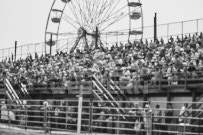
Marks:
<point>25,20</point>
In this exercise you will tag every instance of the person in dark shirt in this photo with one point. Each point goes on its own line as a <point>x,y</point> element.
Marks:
<point>192,71</point>
<point>168,114</point>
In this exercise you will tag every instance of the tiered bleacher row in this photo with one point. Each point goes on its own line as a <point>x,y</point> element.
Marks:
<point>154,63</point>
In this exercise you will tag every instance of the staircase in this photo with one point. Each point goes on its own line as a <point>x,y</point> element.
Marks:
<point>16,96</point>
<point>11,93</point>
<point>102,94</point>
<point>115,88</point>
<point>24,91</point>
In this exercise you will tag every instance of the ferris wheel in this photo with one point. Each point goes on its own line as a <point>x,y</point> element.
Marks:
<point>93,24</point>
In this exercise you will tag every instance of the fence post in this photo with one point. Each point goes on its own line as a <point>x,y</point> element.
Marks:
<point>45,119</point>
<point>9,119</point>
<point>26,117</point>
<point>90,111</point>
<point>79,111</point>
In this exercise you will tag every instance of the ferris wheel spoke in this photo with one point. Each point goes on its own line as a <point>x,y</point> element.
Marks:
<point>79,9</point>
<point>69,18</point>
<point>113,15</point>
<point>105,9</point>
<point>95,10</point>
<point>72,34</point>
<point>115,20</point>
<point>118,19</point>
<point>109,8</point>
<point>101,10</point>
<point>77,13</point>
<point>74,13</point>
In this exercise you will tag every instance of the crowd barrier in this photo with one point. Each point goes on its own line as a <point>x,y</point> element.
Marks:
<point>141,118</point>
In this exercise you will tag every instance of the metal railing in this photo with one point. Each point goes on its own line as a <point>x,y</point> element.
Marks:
<point>98,117</point>
<point>181,79</point>
<point>163,31</point>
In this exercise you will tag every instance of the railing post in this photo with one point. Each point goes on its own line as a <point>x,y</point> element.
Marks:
<point>182,32</point>
<point>35,48</point>
<point>28,46</point>
<point>45,119</point>
<point>2,54</point>
<point>160,78</point>
<point>167,31</point>
<point>15,50</point>
<point>9,109</point>
<point>21,51</point>
<point>185,78</point>
<point>90,112</point>
<point>197,25</point>
<point>26,117</point>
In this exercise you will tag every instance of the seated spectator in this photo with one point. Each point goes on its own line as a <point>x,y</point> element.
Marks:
<point>192,71</point>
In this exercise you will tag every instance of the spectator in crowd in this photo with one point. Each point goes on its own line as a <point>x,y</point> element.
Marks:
<point>168,116</point>
<point>147,119</point>
<point>184,113</point>
<point>3,111</point>
<point>56,116</point>
<point>157,119</point>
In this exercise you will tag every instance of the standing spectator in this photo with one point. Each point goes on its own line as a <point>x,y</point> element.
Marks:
<point>56,116</point>
<point>184,114</point>
<point>4,112</point>
<point>147,119</point>
<point>157,119</point>
<point>168,114</point>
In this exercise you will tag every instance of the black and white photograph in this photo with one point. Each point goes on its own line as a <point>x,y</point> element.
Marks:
<point>101,67</point>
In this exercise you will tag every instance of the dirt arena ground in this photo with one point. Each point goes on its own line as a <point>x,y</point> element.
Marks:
<point>19,132</point>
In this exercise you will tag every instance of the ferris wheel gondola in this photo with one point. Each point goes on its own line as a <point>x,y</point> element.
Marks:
<point>77,24</point>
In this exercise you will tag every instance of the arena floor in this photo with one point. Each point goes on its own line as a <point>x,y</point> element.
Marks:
<point>5,130</point>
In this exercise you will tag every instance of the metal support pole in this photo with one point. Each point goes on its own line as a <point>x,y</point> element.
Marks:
<point>9,53</point>
<point>15,50</point>
<point>67,45</point>
<point>197,25</point>
<point>106,38</point>
<point>21,51</point>
<point>117,37</point>
<point>35,48</point>
<point>167,31</point>
<point>155,27</point>
<point>182,32</point>
<point>28,48</point>
<point>3,54</point>
<point>96,39</point>
<point>51,42</point>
